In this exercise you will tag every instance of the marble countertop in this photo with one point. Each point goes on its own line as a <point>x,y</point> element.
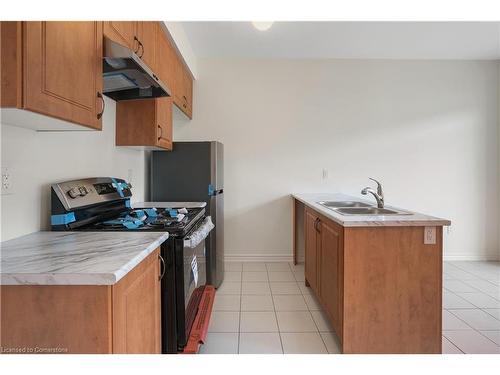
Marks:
<point>169,204</point>
<point>413,219</point>
<point>74,258</point>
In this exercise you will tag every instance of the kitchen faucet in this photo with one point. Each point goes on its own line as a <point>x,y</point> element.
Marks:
<point>379,194</point>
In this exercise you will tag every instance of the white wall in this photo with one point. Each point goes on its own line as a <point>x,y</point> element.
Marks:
<point>498,150</point>
<point>428,130</point>
<point>37,159</point>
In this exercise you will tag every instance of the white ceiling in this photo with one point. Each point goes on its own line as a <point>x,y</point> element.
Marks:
<point>363,40</point>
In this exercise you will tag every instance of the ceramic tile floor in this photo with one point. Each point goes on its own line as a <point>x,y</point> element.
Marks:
<point>265,308</point>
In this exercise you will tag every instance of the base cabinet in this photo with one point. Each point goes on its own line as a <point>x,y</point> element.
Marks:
<point>330,271</point>
<point>381,287</point>
<point>311,249</point>
<point>323,264</point>
<point>92,319</point>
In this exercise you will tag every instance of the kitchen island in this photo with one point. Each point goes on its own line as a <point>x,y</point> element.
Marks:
<point>377,277</point>
<point>81,292</point>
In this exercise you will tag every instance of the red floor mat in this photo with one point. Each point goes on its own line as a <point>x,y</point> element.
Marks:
<point>200,324</point>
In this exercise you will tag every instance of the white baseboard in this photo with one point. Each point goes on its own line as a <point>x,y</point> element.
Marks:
<point>475,258</point>
<point>258,258</point>
<point>289,258</point>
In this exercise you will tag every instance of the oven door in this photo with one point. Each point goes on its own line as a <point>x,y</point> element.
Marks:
<point>194,275</point>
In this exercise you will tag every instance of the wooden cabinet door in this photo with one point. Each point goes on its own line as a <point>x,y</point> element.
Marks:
<point>178,82</point>
<point>63,70</point>
<point>188,93</point>
<point>137,309</point>
<point>166,60</point>
<point>329,272</point>
<point>184,88</point>
<point>147,33</point>
<point>123,32</point>
<point>311,249</point>
<point>164,122</point>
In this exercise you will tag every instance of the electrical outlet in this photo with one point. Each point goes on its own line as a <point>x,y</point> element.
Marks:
<point>7,186</point>
<point>429,235</point>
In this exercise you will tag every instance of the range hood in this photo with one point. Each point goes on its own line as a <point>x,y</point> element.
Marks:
<point>126,76</point>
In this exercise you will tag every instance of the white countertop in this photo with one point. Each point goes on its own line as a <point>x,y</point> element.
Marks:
<point>414,219</point>
<point>74,258</point>
<point>169,204</point>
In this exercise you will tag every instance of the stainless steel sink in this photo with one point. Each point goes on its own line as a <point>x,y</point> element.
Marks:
<point>367,211</point>
<point>334,204</point>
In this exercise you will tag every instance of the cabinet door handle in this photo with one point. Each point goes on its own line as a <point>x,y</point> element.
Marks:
<point>140,48</point>
<point>164,267</point>
<point>138,45</point>
<point>316,225</point>
<point>184,97</point>
<point>161,132</point>
<point>99,115</point>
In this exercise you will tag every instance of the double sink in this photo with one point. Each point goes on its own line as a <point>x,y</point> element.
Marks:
<point>359,208</point>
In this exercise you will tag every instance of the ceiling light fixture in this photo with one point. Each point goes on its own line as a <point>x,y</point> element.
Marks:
<point>262,26</point>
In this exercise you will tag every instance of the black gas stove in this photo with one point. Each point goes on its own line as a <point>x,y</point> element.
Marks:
<point>176,221</point>
<point>103,204</point>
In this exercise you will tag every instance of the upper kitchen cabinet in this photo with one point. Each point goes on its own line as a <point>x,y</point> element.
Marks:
<point>183,87</point>
<point>144,124</point>
<point>166,59</point>
<point>123,32</point>
<point>147,36</point>
<point>52,69</point>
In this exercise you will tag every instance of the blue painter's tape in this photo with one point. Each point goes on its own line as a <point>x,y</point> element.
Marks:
<point>211,190</point>
<point>130,224</point>
<point>139,213</point>
<point>119,187</point>
<point>172,212</point>
<point>63,219</point>
<point>151,212</point>
<point>127,203</point>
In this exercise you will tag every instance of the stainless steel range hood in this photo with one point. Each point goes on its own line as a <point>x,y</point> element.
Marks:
<point>126,76</point>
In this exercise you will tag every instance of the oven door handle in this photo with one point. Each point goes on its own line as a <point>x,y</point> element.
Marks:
<point>164,267</point>
<point>200,234</point>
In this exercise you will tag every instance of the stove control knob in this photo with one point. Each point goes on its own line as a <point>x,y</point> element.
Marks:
<point>83,191</point>
<point>73,193</point>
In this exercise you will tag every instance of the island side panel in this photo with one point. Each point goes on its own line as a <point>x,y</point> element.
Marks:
<point>298,210</point>
<point>137,309</point>
<point>72,318</point>
<point>392,291</point>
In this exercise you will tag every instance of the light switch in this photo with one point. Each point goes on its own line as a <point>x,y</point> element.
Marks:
<point>429,235</point>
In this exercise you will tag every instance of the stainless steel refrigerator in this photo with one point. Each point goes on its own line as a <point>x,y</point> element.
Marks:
<point>194,171</point>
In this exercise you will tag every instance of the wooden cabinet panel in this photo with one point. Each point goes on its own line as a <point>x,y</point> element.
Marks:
<point>144,123</point>
<point>123,32</point>
<point>164,123</point>
<point>137,310</point>
<point>392,290</point>
<point>330,271</point>
<point>73,318</point>
<point>166,60</point>
<point>183,93</point>
<point>311,249</point>
<point>11,68</point>
<point>63,70</point>
<point>188,93</point>
<point>147,33</point>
